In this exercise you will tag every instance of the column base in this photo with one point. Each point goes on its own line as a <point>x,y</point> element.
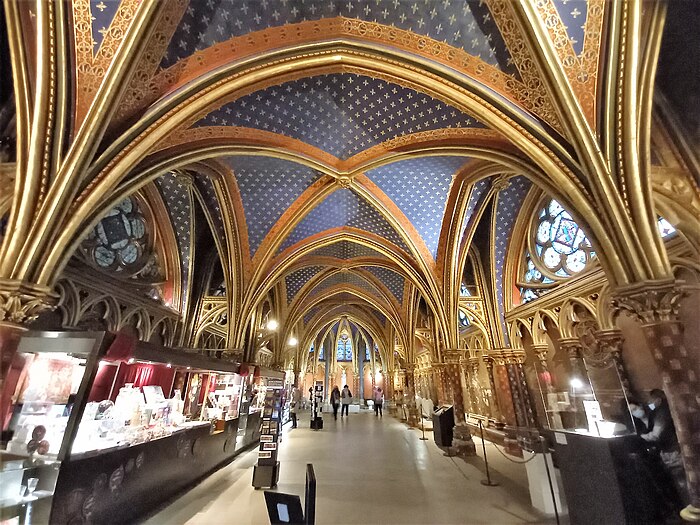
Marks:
<point>691,514</point>
<point>462,442</point>
<point>413,419</point>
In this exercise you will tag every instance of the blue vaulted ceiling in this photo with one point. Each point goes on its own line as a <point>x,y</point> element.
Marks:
<point>347,279</point>
<point>268,186</point>
<point>419,187</point>
<point>346,250</point>
<point>477,192</point>
<point>464,24</point>
<point>207,192</point>
<point>392,280</point>
<point>342,114</point>
<point>343,208</point>
<point>102,13</point>
<point>295,281</point>
<point>573,14</point>
<point>178,199</point>
<point>509,202</point>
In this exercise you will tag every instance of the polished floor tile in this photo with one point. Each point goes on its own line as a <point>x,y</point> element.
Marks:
<point>368,470</point>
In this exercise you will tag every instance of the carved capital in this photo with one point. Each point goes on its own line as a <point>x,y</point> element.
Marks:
<point>610,341</point>
<point>572,346</point>
<point>650,302</point>
<point>452,357</point>
<point>21,302</point>
<point>541,352</point>
<point>344,181</point>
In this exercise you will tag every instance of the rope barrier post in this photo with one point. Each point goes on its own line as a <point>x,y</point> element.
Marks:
<point>422,426</point>
<point>488,481</point>
<point>549,478</point>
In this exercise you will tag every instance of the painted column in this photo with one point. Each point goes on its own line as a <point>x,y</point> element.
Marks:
<point>656,307</point>
<point>472,378</point>
<point>495,407</point>
<point>461,440</point>
<point>410,397</point>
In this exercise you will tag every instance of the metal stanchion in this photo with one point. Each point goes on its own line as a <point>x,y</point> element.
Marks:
<point>488,481</point>
<point>549,478</point>
<point>422,426</point>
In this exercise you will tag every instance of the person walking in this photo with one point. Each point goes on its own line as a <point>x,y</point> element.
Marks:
<point>294,403</point>
<point>335,400</point>
<point>378,398</point>
<point>345,399</point>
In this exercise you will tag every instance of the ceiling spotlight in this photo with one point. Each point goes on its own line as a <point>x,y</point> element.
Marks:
<point>272,324</point>
<point>293,341</point>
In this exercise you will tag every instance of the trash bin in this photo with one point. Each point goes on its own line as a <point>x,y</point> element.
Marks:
<point>443,423</point>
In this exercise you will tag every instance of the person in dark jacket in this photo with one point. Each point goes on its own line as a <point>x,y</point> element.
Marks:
<point>335,400</point>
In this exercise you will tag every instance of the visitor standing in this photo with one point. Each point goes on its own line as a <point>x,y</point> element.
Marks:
<point>294,405</point>
<point>335,400</point>
<point>378,401</point>
<point>345,399</point>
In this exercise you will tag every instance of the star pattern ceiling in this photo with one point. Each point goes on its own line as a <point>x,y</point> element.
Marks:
<point>346,250</point>
<point>341,208</point>
<point>464,24</point>
<point>510,201</point>
<point>477,192</point>
<point>101,13</point>
<point>295,281</point>
<point>419,187</point>
<point>178,199</point>
<point>392,280</point>
<point>205,187</point>
<point>573,14</point>
<point>347,279</point>
<point>341,114</point>
<point>268,186</point>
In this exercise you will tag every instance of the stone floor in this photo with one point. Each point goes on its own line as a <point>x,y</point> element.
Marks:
<point>368,470</point>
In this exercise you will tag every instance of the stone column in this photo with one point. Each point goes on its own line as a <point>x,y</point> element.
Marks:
<point>496,412</point>
<point>610,348</point>
<point>473,379</point>
<point>439,378</point>
<point>410,396</point>
<point>545,376</point>
<point>461,439</point>
<point>572,347</point>
<point>656,307</point>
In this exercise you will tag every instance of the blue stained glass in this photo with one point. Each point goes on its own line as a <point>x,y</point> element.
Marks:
<point>366,353</point>
<point>666,229</point>
<point>344,350</point>
<point>311,348</point>
<point>463,319</point>
<point>321,355</point>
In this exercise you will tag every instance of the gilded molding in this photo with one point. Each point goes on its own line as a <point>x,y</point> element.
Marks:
<point>22,302</point>
<point>651,302</point>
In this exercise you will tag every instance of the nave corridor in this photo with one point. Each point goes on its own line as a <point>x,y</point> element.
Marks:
<point>368,470</point>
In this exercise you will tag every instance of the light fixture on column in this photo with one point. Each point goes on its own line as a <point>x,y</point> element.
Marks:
<point>293,341</point>
<point>272,324</point>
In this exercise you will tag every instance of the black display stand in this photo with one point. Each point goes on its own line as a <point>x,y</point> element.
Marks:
<point>316,422</point>
<point>266,472</point>
<point>443,423</point>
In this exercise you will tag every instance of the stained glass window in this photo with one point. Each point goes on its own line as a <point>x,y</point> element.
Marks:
<point>666,229</point>
<point>119,241</point>
<point>463,319</point>
<point>321,354</point>
<point>366,353</point>
<point>311,348</point>
<point>464,291</point>
<point>344,350</point>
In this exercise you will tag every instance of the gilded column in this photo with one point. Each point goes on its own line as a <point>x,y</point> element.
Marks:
<point>656,307</point>
<point>461,439</point>
<point>439,379</point>
<point>410,396</point>
<point>544,374</point>
<point>473,379</point>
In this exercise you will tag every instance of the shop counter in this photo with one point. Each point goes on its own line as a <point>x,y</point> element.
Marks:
<point>124,484</point>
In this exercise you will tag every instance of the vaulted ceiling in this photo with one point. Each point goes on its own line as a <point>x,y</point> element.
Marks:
<point>338,158</point>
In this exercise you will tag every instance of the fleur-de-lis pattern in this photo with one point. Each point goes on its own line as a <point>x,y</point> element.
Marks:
<point>465,24</point>
<point>573,14</point>
<point>346,250</point>
<point>389,278</point>
<point>178,199</point>
<point>343,208</point>
<point>510,201</point>
<point>341,114</point>
<point>101,14</point>
<point>205,187</point>
<point>346,279</point>
<point>419,187</point>
<point>268,186</point>
<point>296,280</point>
<point>478,190</point>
